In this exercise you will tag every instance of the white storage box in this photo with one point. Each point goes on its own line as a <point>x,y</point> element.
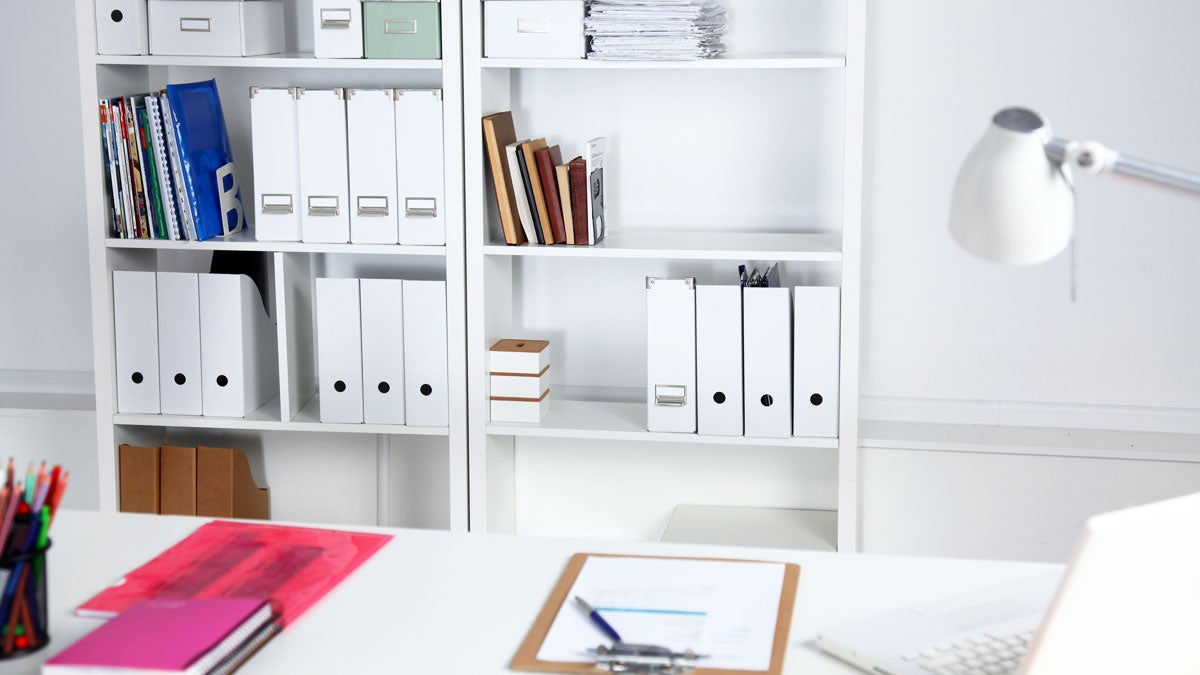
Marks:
<point>520,386</point>
<point>521,357</point>
<point>216,27</point>
<point>337,29</point>
<point>533,29</point>
<point>121,27</point>
<point>530,411</point>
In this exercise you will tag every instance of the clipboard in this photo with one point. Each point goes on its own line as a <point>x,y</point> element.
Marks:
<point>526,657</point>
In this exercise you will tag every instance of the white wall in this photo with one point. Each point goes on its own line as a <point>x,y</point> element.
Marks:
<point>45,320</point>
<point>941,325</point>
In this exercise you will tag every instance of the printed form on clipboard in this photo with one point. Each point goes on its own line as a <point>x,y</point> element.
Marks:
<point>736,613</point>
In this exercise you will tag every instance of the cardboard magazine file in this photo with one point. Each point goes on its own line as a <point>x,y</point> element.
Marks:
<point>177,481</point>
<point>225,488</point>
<point>139,479</point>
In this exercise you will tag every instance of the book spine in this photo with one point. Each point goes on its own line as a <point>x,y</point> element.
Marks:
<point>525,181</point>
<point>110,174</point>
<point>118,118</point>
<point>162,165</point>
<point>153,191</point>
<point>135,169</point>
<point>513,234</point>
<point>562,176</point>
<point>579,194</point>
<point>545,166</point>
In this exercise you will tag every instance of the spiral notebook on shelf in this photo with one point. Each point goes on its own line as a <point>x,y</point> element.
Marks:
<point>737,613</point>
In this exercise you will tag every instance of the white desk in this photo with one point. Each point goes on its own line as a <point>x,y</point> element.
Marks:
<point>435,603</point>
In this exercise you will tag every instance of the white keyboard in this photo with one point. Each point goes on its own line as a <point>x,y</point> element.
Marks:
<point>984,654</point>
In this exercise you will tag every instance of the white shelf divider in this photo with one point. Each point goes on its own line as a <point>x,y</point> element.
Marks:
<point>790,62</point>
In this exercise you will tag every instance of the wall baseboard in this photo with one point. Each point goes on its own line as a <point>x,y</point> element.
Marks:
<point>1031,414</point>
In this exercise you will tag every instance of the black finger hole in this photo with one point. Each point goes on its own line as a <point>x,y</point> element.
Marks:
<point>339,386</point>
<point>816,399</point>
<point>719,397</point>
<point>767,400</point>
<point>222,380</point>
<point>179,378</point>
<point>384,387</point>
<point>136,377</point>
<point>117,15</point>
<point>426,390</point>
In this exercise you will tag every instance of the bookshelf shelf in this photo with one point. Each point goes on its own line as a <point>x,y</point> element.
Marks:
<point>690,246</point>
<point>295,61</point>
<point>796,62</point>
<point>618,421</point>
<point>245,242</point>
<point>266,418</point>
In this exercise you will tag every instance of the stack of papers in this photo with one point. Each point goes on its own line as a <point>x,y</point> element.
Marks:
<point>655,30</point>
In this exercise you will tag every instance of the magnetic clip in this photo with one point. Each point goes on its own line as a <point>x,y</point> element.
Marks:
<point>624,657</point>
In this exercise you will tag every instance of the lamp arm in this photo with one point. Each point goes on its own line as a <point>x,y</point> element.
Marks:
<point>1091,157</point>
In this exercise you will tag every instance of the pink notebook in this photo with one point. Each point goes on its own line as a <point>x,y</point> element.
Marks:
<point>188,635</point>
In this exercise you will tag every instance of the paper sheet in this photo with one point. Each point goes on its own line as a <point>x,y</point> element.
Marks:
<point>724,609</point>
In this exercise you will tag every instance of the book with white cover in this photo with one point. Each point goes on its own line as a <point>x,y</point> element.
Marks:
<point>523,211</point>
<point>597,148</point>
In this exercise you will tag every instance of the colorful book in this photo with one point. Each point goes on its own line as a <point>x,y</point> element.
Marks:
<point>579,196</point>
<point>562,175</point>
<point>120,138</point>
<point>129,120</point>
<point>171,636</point>
<point>498,133</point>
<point>547,159</point>
<point>112,181</point>
<point>210,178</point>
<point>537,199</point>
<point>293,566</point>
<point>153,190</point>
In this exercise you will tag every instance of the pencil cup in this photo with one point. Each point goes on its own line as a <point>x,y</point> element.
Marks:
<point>24,603</point>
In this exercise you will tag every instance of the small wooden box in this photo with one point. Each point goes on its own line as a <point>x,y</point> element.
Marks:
<point>519,357</point>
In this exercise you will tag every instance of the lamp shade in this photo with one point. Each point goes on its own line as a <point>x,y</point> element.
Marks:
<point>1012,204</point>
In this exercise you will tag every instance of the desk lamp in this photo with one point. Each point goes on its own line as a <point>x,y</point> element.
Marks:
<point>1014,202</point>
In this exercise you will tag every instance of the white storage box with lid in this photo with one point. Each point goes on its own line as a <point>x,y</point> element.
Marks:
<point>533,29</point>
<point>216,27</point>
<point>337,29</point>
<point>121,27</point>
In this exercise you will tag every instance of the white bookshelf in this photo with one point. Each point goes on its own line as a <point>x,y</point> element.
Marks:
<point>755,157</point>
<point>381,474</point>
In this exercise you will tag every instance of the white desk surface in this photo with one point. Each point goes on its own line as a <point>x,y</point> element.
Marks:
<point>436,603</point>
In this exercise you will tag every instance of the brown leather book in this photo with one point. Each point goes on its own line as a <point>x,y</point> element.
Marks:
<point>563,174</point>
<point>139,479</point>
<point>547,159</point>
<point>535,185</point>
<point>579,195</point>
<point>498,132</point>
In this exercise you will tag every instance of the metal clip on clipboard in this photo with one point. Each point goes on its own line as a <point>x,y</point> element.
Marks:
<point>624,657</point>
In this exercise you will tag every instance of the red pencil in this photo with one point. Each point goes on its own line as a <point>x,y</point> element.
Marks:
<point>56,497</point>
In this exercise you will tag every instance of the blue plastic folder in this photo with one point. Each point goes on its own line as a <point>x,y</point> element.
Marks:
<point>206,158</point>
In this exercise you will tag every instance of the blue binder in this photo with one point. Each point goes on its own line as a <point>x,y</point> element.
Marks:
<point>207,160</point>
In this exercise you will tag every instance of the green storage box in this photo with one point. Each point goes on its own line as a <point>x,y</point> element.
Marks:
<point>402,30</point>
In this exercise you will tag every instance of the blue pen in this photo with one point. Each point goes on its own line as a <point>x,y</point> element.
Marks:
<point>597,619</point>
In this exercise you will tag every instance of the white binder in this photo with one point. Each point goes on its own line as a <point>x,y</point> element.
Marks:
<point>337,29</point>
<point>371,133</point>
<point>420,167</point>
<point>339,351</point>
<point>817,348</point>
<point>671,354</point>
<point>382,303</point>
<point>425,368</point>
<point>324,176</point>
<point>179,343</point>
<point>767,360</point>
<point>135,334</point>
<point>238,346</point>
<point>121,27</point>
<point>719,360</point>
<point>276,164</point>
